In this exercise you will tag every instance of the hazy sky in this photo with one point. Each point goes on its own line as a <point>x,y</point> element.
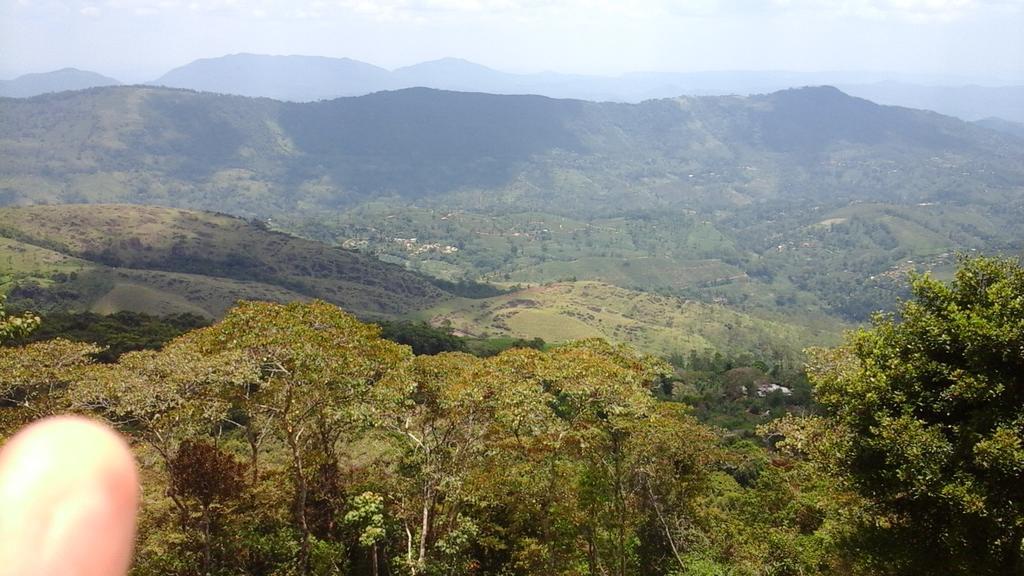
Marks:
<point>137,40</point>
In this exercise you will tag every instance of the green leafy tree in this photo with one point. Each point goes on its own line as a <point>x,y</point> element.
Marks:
<point>444,433</point>
<point>366,514</point>
<point>35,380</point>
<point>15,326</point>
<point>925,418</point>
<point>321,376</point>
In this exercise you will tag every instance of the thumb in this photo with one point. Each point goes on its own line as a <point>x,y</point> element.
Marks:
<point>68,496</point>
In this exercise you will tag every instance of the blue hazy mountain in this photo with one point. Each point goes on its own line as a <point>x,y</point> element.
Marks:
<point>57,81</point>
<point>1001,125</point>
<point>311,78</point>
<point>966,102</point>
<point>297,78</point>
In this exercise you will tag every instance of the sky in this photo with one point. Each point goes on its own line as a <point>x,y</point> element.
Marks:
<point>138,40</point>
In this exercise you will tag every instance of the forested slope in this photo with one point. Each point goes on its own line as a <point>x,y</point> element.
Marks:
<point>261,157</point>
<point>292,438</point>
<point>164,260</point>
<point>806,203</point>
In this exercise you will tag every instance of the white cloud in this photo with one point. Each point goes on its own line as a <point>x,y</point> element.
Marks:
<point>426,10</point>
<point>941,10</point>
<point>594,36</point>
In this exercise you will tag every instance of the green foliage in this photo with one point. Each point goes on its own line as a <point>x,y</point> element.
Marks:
<point>293,439</point>
<point>34,380</point>
<point>12,327</point>
<point>738,393</point>
<point>116,333</point>
<point>928,405</point>
<point>160,260</point>
<point>494,346</point>
<point>468,289</point>
<point>367,514</point>
<point>422,337</point>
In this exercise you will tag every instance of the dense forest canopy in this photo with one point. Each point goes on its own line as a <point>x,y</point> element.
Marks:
<point>294,439</point>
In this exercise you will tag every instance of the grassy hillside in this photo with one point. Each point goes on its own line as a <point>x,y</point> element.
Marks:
<point>47,280</point>
<point>108,258</point>
<point>652,322</point>
<point>162,260</point>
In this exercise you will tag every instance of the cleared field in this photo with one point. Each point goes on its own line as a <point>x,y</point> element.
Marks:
<point>18,257</point>
<point>643,272</point>
<point>651,322</point>
<point>136,298</point>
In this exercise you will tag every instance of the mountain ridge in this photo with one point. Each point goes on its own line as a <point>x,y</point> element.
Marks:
<point>156,250</point>
<point>259,157</point>
<point>28,85</point>
<point>953,98</point>
<point>303,78</point>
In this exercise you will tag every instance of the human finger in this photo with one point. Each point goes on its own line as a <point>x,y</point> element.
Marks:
<point>68,498</point>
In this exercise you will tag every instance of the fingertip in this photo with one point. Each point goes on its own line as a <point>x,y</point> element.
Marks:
<point>69,491</point>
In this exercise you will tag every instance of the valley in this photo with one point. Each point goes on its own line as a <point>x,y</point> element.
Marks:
<point>723,224</point>
<point>708,288</point>
<point>111,258</point>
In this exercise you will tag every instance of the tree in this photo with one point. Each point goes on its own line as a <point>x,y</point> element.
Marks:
<point>601,395</point>
<point>320,376</point>
<point>35,380</point>
<point>444,433</point>
<point>366,513</point>
<point>15,326</point>
<point>925,418</point>
<point>211,477</point>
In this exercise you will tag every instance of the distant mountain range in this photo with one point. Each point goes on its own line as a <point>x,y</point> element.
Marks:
<point>311,78</point>
<point>966,102</point>
<point>56,81</point>
<point>295,78</point>
<point>261,157</point>
<point>308,78</point>
<point>1005,126</point>
<point>805,205</point>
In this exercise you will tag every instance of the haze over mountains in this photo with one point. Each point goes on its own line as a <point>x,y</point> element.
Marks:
<point>305,78</point>
<point>264,157</point>
<point>57,81</point>
<point>806,206</point>
<point>311,78</point>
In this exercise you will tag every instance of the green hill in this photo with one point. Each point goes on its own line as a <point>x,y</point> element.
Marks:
<point>161,260</point>
<point>805,202</point>
<point>109,258</point>
<point>261,157</point>
<point>655,323</point>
